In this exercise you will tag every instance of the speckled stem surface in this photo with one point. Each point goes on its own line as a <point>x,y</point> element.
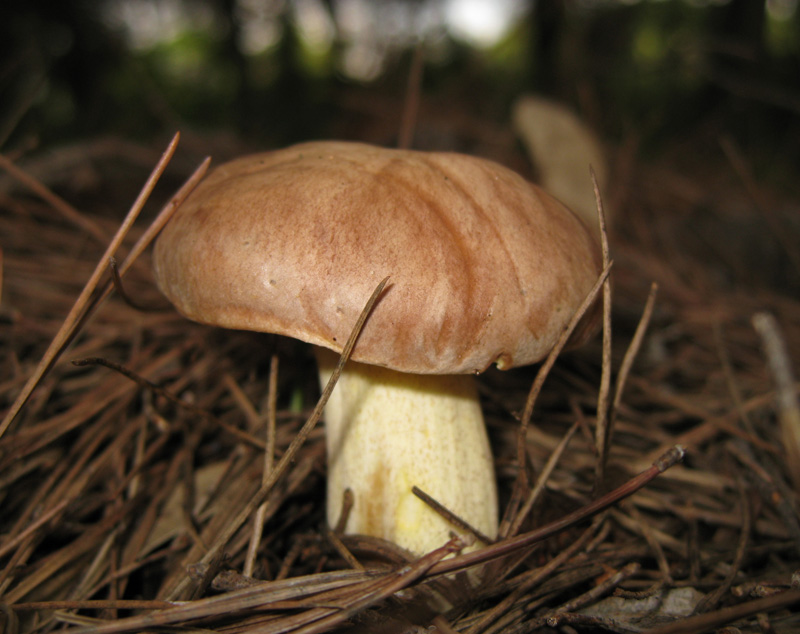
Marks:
<point>388,431</point>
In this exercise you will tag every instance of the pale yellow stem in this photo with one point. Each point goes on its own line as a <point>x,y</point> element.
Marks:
<point>389,431</point>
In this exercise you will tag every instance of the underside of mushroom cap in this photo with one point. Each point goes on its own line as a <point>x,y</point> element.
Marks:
<point>484,266</point>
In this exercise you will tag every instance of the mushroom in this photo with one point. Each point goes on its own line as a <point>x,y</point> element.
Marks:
<point>562,147</point>
<point>485,268</point>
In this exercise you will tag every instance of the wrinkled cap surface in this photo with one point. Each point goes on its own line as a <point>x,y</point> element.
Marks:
<point>484,267</point>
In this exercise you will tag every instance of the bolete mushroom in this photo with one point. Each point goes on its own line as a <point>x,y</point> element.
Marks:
<point>485,269</point>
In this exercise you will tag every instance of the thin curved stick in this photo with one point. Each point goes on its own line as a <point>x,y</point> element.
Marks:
<point>76,314</point>
<point>544,370</point>
<point>512,544</point>
<point>291,452</point>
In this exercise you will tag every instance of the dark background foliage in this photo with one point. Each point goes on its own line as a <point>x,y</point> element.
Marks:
<point>654,69</point>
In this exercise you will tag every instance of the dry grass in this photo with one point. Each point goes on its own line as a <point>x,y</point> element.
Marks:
<point>130,483</point>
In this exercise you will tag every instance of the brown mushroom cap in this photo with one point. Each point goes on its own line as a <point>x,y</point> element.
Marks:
<point>485,267</point>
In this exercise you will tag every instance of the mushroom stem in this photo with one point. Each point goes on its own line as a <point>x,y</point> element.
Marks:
<point>388,431</point>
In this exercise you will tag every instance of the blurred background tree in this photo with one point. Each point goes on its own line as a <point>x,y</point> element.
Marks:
<point>273,72</point>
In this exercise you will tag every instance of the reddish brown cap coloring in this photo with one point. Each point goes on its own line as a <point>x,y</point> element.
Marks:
<point>484,267</point>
